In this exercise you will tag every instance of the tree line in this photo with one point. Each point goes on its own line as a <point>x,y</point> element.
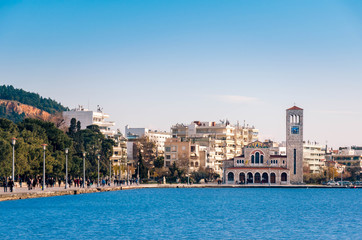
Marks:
<point>32,99</point>
<point>30,134</point>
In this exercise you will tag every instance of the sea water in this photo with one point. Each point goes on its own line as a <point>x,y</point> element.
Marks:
<point>188,214</point>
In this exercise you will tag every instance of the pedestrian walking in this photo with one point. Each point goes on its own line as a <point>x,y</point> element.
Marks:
<point>11,184</point>
<point>5,183</point>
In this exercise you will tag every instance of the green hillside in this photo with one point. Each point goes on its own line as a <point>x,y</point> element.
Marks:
<point>29,98</point>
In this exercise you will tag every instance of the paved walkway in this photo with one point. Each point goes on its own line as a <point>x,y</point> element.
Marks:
<point>55,189</point>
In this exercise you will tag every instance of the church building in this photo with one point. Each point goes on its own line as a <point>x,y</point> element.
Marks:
<point>258,164</point>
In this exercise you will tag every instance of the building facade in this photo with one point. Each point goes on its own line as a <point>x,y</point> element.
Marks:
<point>158,137</point>
<point>314,156</point>
<point>259,164</point>
<point>222,140</point>
<point>87,118</point>
<point>184,153</point>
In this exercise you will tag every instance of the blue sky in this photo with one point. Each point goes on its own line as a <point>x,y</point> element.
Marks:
<point>157,63</point>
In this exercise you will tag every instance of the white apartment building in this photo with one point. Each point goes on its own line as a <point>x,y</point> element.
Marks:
<point>87,117</point>
<point>222,140</point>
<point>158,137</point>
<point>314,156</point>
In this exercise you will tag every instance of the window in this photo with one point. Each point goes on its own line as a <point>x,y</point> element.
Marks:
<point>257,156</point>
<point>168,156</point>
<point>295,161</point>
<point>242,161</point>
<point>167,149</point>
<point>252,159</point>
<point>183,148</point>
<point>261,159</point>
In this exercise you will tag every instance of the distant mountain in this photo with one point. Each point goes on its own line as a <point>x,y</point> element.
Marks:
<point>17,104</point>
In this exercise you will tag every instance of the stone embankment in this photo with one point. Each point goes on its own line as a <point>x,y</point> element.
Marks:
<point>52,192</point>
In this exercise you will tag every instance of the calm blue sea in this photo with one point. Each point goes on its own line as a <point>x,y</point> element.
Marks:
<point>188,214</point>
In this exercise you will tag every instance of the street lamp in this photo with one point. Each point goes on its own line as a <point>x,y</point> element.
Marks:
<point>84,153</point>
<point>110,172</point>
<point>188,172</point>
<point>98,157</point>
<point>127,172</point>
<point>66,167</point>
<point>44,148</point>
<point>13,141</point>
<point>138,173</point>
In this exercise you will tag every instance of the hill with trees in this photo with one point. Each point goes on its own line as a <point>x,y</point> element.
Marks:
<point>17,104</point>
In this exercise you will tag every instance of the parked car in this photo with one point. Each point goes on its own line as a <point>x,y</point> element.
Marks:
<point>358,183</point>
<point>345,183</point>
<point>332,183</point>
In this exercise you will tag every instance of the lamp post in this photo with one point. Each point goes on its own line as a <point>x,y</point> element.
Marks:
<point>110,172</point>
<point>119,167</point>
<point>188,172</point>
<point>84,153</point>
<point>127,172</point>
<point>44,148</point>
<point>138,172</point>
<point>66,167</point>
<point>13,141</point>
<point>98,156</point>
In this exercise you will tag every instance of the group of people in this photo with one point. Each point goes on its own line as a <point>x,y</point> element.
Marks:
<point>8,183</point>
<point>34,182</point>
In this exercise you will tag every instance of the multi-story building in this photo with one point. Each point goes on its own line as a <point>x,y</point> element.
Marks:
<point>314,156</point>
<point>119,156</point>
<point>350,158</point>
<point>185,154</point>
<point>221,140</point>
<point>158,137</point>
<point>87,117</point>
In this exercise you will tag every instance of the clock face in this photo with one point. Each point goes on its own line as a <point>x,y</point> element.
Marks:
<point>295,130</point>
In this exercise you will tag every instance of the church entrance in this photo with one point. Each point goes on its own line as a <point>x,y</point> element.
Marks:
<point>242,178</point>
<point>250,178</point>
<point>257,178</point>
<point>264,178</point>
<point>272,178</point>
<point>230,177</point>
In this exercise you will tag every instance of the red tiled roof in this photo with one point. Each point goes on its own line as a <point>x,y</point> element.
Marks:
<point>258,168</point>
<point>295,108</point>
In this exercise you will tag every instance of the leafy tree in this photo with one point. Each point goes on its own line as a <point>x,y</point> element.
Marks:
<point>159,162</point>
<point>142,168</point>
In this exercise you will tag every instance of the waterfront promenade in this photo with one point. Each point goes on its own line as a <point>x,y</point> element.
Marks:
<point>24,193</point>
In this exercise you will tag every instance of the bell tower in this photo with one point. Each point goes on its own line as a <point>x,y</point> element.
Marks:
<point>294,123</point>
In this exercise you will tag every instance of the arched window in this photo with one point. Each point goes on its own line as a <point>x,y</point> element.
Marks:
<point>231,177</point>
<point>250,178</point>
<point>257,156</point>
<point>196,164</point>
<point>242,178</point>
<point>252,159</point>
<point>265,178</point>
<point>261,159</point>
<point>284,177</point>
<point>272,178</point>
<point>257,178</point>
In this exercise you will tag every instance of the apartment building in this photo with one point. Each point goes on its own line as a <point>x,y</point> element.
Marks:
<point>87,117</point>
<point>222,140</point>
<point>158,137</point>
<point>185,154</point>
<point>313,156</point>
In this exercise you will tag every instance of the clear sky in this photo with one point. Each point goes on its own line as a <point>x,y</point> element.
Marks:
<point>157,63</point>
